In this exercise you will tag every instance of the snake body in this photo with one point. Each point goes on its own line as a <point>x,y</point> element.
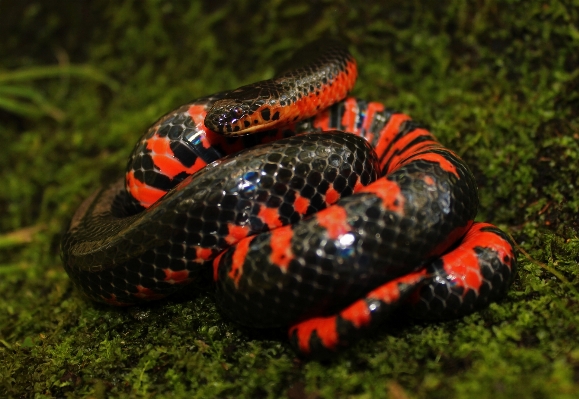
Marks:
<point>325,232</point>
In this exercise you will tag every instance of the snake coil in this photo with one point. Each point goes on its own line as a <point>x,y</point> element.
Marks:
<point>325,232</point>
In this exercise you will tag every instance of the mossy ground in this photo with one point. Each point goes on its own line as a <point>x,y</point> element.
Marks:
<point>497,81</point>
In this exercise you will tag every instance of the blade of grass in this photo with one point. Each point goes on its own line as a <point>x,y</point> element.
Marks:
<point>83,71</point>
<point>34,96</point>
<point>21,108</point>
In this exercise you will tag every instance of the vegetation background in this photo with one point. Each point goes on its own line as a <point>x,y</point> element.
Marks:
<point>496,80</point>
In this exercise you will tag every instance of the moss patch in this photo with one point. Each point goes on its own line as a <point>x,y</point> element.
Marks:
<point>496,81</point>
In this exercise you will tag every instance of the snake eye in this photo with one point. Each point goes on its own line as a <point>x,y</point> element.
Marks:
<point>236,112</point>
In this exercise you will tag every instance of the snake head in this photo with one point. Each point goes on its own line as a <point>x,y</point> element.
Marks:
<point>245,110</point>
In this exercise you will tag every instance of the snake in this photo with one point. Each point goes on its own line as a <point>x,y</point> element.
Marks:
<point>303,208</point>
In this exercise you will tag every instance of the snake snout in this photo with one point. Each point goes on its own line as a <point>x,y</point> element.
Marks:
<point>226,116</point>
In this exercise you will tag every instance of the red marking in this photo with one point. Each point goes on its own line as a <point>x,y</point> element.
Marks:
<point>198,113</point>
<point>401,150</point>
<point>165,160</point>
<point>203,253</point>
<point>429,180</point>
<point>350,116</point>
<point>372,109</point>
<point>147,293</point>
<point>441,160</point>
<point>145,194</point>
<point>216,265</point>
<point>325,328</point>
<point>357,313</point>
<point>389,131</point>
<point>176,277</point>
<point>390,292</point>
<point>301,204</point>
<point>112,300</point>
<point>281,248</point>
<point>332,196</point>
<point>389,193</point>
<point>270,217</point>
<point>316,104</point>
<point>358,186</point>
<point>335,220</point>
<point>462,265</point>
<point>236,233</point>
<point>238,258</point>
<point>494,241</point>
<point>322,120</point>
<point>400,154</point>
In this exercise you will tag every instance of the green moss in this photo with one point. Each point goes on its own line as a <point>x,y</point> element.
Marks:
<point>497,81</point>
